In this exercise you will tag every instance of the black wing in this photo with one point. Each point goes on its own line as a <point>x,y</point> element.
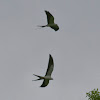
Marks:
<point>56,27</point>
<point>50,66</point>
<point>50,18</point>
<point>45,83</point>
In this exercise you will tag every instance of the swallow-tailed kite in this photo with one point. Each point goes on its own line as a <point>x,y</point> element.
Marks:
<point>47,76</point>
<point>50,21</point>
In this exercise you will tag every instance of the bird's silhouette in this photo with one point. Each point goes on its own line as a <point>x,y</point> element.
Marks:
<point>47,76</point>
<point>50,21</point>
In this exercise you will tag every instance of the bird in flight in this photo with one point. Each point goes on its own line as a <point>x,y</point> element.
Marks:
<point>47,76</point>
<point>50,21</point>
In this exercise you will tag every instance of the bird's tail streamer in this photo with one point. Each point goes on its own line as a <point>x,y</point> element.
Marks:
<point>39,27</point>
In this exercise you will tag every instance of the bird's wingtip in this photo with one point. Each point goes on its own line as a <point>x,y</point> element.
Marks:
<point>42,86</point>
<point>50,55</point>
<point>46,11</point>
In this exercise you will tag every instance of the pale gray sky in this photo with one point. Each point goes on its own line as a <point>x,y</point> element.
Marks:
<point>25,49</point>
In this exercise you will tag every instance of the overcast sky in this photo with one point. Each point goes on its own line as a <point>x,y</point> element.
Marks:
<point>25,49</point>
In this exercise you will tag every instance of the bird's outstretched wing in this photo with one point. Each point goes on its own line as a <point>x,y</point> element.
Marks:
<point>45,83</point>
<point>50,18</point>
<point>56,27</point>
<point>50,66</point>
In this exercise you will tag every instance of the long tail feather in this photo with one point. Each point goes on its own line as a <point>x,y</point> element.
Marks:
<point>38,76</point>
<point>36,79</point>
<point>42,26</point>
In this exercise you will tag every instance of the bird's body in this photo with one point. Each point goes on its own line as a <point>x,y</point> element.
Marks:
<point>43,77</point>
<point>47,76</point>
<point>50,22</point>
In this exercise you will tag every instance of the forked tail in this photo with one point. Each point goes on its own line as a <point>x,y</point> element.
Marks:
<point>40,77</point>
